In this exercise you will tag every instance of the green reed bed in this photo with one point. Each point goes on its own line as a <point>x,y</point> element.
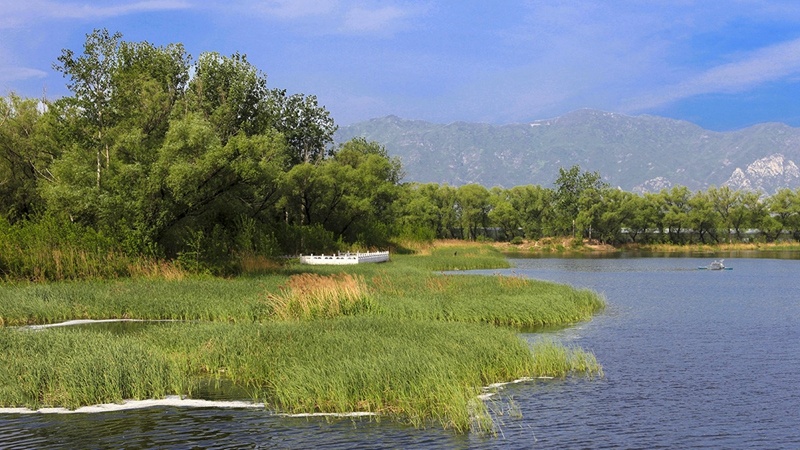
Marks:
<point>407,288</point>
<point>403,288</point>
<point>498,300</point>
<point>551,359</point>
<point>467,257</point>
<point>417,372</point>
<point>396,339</point>
<point>76,368</point>
<point>208,299</point>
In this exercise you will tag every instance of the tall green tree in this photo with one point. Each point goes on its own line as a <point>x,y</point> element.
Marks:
<point>571,184</point>
<point>640,216</point>
<point>230,93</point>
<point>784,207</point>
<point>430,206</point>
<point>199,177</point>
<point>474,208</point>
<point>605,212</point>
<point>535,207</point>
<point>742,215</point>
<point>27,149</point>
<point>307,126</point>
<point>675,208</point>
<point>349,195</point>
<point>503,215</point>
<point>91,78</point>
<point>160,158</point>
<point>725,202</point>
<point>703,218</point>
<point>418,217</point>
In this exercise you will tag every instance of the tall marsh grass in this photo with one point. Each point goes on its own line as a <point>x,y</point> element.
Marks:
<point>312,296</point>
<point>419,372</point>
<point>516,302</point>
<point>551,359</point>
<point>446,256</point>
<point>77,368</point>
<point>193,298</point>
<point>49,250</point>
<point>396,339</point>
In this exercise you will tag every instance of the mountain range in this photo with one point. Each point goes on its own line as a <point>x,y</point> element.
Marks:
<point>635,153</point>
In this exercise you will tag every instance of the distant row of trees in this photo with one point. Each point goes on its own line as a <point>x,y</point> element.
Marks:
<point>583,206</point>
<point>167,156</point>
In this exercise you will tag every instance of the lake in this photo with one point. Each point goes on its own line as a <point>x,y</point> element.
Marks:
<point>692,358</point>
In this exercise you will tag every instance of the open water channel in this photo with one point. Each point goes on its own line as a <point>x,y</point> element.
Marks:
<point>692,359</point>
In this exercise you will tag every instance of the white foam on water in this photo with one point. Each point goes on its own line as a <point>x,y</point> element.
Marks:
<point>138,404</point>
<point>348,414</point>
<point>498,386</point>
<point>176,401</point>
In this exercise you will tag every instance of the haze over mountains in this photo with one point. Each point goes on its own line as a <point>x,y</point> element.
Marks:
<point>635,153</point>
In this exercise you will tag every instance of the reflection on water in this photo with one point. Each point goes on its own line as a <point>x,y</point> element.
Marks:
<point>692,358</point>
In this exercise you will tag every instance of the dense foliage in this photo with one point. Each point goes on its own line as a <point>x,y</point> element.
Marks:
<point>583,207</point>
<point>158,155</point>
<point>195,160</point>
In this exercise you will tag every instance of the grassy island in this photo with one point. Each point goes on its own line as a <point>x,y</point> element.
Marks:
<point>401,339</point>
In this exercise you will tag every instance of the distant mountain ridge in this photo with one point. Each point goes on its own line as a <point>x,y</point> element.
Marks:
<point>636,153</point>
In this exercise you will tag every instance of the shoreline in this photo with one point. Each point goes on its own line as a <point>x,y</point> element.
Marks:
<point>178,401</point>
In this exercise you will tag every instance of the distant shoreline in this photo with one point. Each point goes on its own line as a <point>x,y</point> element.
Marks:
<point>569,246</point>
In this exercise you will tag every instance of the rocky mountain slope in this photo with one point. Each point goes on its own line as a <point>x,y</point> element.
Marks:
<point>641,153</point>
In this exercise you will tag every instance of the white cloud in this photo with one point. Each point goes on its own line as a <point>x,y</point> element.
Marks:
<point>360,19</point>
<point>765,65</point>
<point>295,9</point>
<point>18,13</point>
<point>341,16</point>
<point>633,56</point>
<point>20,73</point>
<point>91,11</point>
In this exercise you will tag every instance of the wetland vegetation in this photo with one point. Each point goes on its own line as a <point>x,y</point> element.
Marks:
<point>395,339</point>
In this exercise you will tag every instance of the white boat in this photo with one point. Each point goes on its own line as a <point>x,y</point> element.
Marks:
<point>717,264</point>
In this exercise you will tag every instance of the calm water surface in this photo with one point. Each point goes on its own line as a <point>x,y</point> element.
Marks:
<point>692,359</point>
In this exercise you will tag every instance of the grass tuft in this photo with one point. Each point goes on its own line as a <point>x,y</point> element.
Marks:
<point>311,296</point>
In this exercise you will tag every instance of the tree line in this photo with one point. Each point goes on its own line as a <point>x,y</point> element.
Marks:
<point>581,205</point>
<point>159,154</point>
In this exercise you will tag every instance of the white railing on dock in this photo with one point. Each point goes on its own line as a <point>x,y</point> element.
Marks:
<point>345,258</point>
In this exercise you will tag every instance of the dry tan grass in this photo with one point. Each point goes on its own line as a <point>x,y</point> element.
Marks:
<point>308,296</point>
<point>154,269</point>
<point>385,284</point>
<point>513,282</point>
<point>426,248</point>
<point>438,283</point>
<point>255,264</point>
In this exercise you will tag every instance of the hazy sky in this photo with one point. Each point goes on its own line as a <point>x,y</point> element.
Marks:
<point>723,64</point>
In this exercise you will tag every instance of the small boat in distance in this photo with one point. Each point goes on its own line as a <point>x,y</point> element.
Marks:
<point>717,264</point>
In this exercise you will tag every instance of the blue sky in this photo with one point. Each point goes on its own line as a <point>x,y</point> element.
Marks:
<point>723,64</point>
